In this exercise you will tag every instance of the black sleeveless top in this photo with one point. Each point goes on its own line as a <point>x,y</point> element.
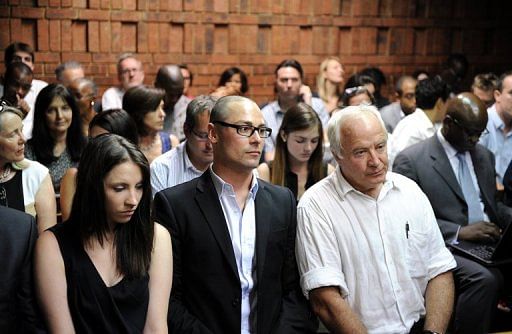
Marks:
<point>94,307</point>
<point>11,193</point>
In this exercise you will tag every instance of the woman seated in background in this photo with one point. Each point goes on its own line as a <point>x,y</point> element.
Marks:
<point>116,121</point>
<point>24,185</point>
<point>57,139</point>
<point>299,152</point>
<point>328,83</point>
<point>84,90</point>
<point>355,96</point>
<point>108,269</point>
<point>234,80</point>
<point>145,105</point>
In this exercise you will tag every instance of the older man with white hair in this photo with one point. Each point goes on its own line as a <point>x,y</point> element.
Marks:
<point>370,253</point>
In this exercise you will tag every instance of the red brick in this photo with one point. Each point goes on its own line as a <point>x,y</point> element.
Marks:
<point>167,58</point>
<point>93,36</point>
<point>439,41</point>
<point>364,40</point>
<point>79,36</point>
<point>47,57</point>
<point>176,5</point>
<point>264,39</point>
<point>42,35</point>
<point>94,4</point>
<point>127,16</point>
<point>105,37</point>
<point>4,34</point>
<point>176,38</point>
<point>105,4</point>
<point>93,14</point>
<point>54,3</point>
<point>115,30</point>
<point>142,4</point>
<point>82,57</point>
<point>42,3</point>
<point>66,36</point>
<point>402,41</point>
<point>129,37</point>
<point>208,38</point>
<point>221,39</point>
<point>116,4</point>
<point>153,5</point>
<point>55,42</point>
<point>306,40</point>
<point>61,14</point>
<point>365,8</point>
<point>152,37</point>
<point>193,5</point>
<point>27,13</point>
<point>261,6</point>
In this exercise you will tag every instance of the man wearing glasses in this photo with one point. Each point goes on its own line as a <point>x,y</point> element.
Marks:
<point>129,74</point>
<point>193,156</point>
<point>233,237</point>
<point>457,175</point>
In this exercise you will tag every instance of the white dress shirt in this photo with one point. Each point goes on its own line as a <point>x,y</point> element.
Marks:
<point>30,98</point>
<point>241,225</point>
<point>381,253</point>
<point>172,168</point>
<point>112,98</point>
<point>410,130</point>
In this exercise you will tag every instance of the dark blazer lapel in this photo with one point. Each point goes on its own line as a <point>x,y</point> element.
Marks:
<point>262,205</point>
<point>209,204</point>
<point>442,166</point>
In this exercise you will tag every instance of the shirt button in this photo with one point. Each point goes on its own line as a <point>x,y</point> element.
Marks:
<point>235,302</point>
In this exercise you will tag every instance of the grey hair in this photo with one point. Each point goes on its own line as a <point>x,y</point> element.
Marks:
<point>197,106</point>
<point>340,118</point>
<point>71,64</point>
<point>125,56</point>
<point>84,82</point>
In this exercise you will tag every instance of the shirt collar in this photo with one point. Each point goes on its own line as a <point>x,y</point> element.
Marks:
<point>343,187</point>
<point>494,118</point>
<point>224,188</point>
<point>448,148</point>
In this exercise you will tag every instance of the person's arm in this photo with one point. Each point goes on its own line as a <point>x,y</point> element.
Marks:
<point>179,318</point>
<point>51,285</point>
<point>334,311</point>
<point>67,192</point>
<point>45,205</point>
<point>160,282</point>
<point>295,314</point>
<point>439,299</point>
<point>264,172</point>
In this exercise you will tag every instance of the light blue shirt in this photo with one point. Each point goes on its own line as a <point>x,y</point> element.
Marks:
<point>274,117</point>
<point>241,224</point>
<point>499,143</point>
<point>172,168</point>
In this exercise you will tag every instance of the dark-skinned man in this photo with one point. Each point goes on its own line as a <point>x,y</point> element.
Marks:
<point>457,175</point>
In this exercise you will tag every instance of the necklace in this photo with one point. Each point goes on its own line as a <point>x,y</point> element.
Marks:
<point>6,173</point>
<point>147,148</point>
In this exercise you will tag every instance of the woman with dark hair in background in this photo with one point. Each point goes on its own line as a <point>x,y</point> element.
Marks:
<point>355,96</point>
<point>299,152</point>
<point>57,139</point>
<point>108,269</point>
<point>116,121</point>
<point>234,78</point>
<point>145,105</point>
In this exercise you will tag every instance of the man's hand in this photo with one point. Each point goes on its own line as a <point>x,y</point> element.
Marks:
<point>22,105</point>
<point>481,231</point>
<point>305,93</point>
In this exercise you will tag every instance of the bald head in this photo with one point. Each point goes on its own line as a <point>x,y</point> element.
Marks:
<point>170,79</point>
<point>227,104</point>
<point>465,120</point>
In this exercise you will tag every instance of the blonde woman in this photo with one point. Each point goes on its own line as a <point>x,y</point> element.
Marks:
<point>329,81</point>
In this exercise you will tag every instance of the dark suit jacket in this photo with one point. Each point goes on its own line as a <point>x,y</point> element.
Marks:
<point>427,164</point>
<point>206,293</point>
<point>18,234</point>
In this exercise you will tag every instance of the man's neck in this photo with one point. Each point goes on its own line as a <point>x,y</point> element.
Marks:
<point>240,181</point>
<point>507,120</point>
<point>197,163</point>
<point>434,115</point>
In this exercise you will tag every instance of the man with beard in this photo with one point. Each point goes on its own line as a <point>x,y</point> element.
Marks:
<point>457,175</point>
<point>290,91</point>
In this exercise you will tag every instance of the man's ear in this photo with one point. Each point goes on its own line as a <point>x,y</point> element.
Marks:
<point>496,94</point>
<point>212,134</point>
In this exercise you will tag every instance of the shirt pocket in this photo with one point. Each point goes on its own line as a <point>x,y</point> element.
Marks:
<point>415,258</point>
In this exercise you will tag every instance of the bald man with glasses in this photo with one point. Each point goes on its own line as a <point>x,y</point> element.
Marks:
<point>233,237</point>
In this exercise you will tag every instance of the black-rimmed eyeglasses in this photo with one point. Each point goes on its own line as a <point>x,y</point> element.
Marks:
<point>247,130</point>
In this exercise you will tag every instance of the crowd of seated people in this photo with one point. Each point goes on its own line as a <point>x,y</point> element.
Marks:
<point>160,211</point>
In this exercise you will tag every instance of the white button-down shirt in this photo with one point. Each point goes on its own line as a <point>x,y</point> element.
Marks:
<point>241,225</point>
<point>172,168</point>
<point>381,252</point>
<point>498,142</point>
<point>410,130</point>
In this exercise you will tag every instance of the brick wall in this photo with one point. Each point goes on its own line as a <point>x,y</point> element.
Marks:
<point>210,35</point>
